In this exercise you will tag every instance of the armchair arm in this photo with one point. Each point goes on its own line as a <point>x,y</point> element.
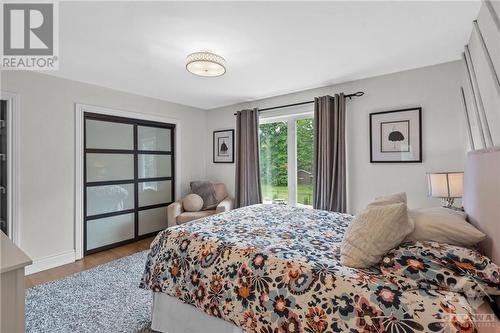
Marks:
<point>224,206</point>
<point>173,210</point>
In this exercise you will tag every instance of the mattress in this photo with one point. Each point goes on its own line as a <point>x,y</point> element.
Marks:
<point>275,268</point>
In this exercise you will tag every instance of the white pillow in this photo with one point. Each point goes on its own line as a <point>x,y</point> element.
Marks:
<point>192,203</point>
<point>443,225</point>
<point>374,232</point>
<point>389,199</point>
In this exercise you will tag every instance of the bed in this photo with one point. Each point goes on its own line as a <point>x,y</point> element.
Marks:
<point>275,268</point>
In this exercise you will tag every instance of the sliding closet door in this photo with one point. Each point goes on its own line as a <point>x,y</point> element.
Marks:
<point>129,168</point>
<point>155,172</point>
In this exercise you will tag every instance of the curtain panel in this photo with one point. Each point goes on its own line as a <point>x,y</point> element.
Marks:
<point>248,188</point>
<point>329,188</point>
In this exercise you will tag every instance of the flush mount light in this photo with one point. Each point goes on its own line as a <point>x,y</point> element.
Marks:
<point>206,64</point>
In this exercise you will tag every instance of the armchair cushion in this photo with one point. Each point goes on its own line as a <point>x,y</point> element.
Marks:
<point>190,216</point>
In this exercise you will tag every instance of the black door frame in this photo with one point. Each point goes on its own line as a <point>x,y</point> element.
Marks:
<point>136,180</point>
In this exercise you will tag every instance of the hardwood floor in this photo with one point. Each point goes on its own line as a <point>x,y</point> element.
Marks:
<point>87,262</point>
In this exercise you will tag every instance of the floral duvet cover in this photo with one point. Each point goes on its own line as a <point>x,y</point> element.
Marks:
<point>274,268</point>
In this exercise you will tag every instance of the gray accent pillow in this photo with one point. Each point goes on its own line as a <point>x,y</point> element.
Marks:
<point>206,190</point>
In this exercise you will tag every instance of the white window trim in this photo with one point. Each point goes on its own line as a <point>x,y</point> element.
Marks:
<point>291,118</point>
<point>80,109</point>
<point>13,165</point>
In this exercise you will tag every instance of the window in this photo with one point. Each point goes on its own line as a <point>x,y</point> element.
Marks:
<point>286,159</point>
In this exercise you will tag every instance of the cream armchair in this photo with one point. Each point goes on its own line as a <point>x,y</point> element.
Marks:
<point>177,215</point>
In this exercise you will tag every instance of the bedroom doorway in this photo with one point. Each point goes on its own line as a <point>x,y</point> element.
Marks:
<point>4,204</point>
<point>128,179</point>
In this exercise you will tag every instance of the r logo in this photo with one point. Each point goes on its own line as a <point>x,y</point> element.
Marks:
<point>28,29</point>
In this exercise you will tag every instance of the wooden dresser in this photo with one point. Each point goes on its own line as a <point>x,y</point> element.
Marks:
<point>12,292</point>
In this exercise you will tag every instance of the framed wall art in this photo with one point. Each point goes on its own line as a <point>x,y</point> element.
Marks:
<point>223,146</point>
<point>396,136</point>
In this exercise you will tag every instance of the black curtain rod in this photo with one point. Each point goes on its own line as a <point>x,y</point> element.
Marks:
<point>350,96</point>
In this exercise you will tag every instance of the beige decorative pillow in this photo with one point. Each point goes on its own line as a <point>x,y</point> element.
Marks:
<point>192,203</point>
<point>389,199</point>
<point>443,225</point>
<point>374,232</point>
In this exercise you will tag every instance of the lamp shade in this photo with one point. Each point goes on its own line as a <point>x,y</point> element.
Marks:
<point>445,184</point>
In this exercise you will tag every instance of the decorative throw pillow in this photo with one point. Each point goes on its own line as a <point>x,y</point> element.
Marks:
<point>389,199</point>
<point>206,191</point>
<point>372,233</point>
<point>431,265</point>
<point>443,225</point>
<point>192,203</point>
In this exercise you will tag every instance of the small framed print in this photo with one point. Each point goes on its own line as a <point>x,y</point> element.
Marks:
<point>396,136</point>
<point>223,146</point>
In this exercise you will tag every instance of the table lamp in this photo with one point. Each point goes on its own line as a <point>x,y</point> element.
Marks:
<point>447,186</point>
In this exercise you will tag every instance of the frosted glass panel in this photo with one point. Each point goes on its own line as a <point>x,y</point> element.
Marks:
<point>152,220</point>
<point>153,138</point>
<point>108,135</point>
<point>109,230</point>
<point>102,167</point>
<point>152,193</point>
<point>151,166</point>
<point>109,198</point>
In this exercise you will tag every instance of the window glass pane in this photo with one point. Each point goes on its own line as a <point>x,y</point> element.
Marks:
<point>274,162</point>
<point>152,220</point>
<point>109,230</point>
<point>151,166</point>
<point>109,198</point>
<point>153,138</point>
<point>108,135</point>
<point>152,193</point>
<point>305,155</point>
<point>103,167</point>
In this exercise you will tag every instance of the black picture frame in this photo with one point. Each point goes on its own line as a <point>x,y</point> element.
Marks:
<point>393,159</point>
<point>217,135</point>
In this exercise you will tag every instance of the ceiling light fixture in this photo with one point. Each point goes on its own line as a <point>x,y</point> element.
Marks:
<point>205,63</point>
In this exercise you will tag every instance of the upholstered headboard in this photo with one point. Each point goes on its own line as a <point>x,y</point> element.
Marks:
<point>482,198</point>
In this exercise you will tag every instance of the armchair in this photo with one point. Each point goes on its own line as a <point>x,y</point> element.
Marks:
<point>177,215</point>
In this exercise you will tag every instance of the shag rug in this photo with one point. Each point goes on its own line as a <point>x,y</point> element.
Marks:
<point>106,298</point>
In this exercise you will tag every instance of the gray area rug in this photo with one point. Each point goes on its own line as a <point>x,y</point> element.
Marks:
<point>105,298</point>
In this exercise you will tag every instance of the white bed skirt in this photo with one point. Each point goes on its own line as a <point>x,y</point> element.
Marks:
<point>171,315</point>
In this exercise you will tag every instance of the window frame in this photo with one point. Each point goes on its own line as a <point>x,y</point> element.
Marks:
<point>290,117</point>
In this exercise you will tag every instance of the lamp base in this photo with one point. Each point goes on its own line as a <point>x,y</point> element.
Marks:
<point>448,203</point>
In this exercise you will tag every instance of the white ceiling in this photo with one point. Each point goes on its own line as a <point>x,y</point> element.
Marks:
<point>270,48</point>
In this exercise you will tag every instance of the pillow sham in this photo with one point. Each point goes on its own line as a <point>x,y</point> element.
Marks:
<point>389,199</point>
<point>372,233</point>
<point>432,265</point>
<point>443,225</point>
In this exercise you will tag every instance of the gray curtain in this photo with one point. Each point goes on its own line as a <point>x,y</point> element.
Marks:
<point>248,191</point>
<point>329,153</point>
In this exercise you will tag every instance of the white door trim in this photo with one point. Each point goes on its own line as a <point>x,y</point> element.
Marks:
<point>13,165</point>
<point>80,109</point>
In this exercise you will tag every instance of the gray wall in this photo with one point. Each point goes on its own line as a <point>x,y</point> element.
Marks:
<point>47,151</point>
<point>434,88</point>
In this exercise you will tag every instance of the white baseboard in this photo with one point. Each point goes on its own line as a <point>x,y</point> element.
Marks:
<point>50,262</point>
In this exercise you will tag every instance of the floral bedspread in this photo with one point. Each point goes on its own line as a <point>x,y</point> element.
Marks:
<point>274,268</point>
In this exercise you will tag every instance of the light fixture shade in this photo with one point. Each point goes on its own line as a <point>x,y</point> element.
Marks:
<point>445,184</point>
<point>206,64</point>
